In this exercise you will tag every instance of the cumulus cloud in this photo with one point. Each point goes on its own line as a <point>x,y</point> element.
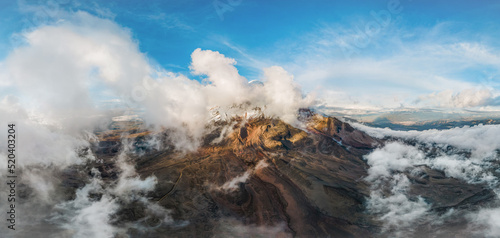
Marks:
<point>463,99</point>
<point>41,143</point>
<point>58,79</point>
<point>397,210</point>
<point>400,157</point>
<point>390,200</point>
<point>91,212</point>
<point>444,150</point>
<point>234,183</point>
<point>481,140</point>
<point>87,54</point>
<point>234,228</point>
<point>392,157</point>
<point>64,67</point>
<point>282,95</point>
<point>42,151</point>
<point>94,59</point>
<point>129,181</point>
<point>225,82</point>
<point>489,218</point>
<point>83,216</point>
<point>179,102</point>
<point>395,67</point>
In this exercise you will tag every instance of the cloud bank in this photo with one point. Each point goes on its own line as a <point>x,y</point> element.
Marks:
<point>63,71</point>
<point>58,79</point>
<point>468,154</point>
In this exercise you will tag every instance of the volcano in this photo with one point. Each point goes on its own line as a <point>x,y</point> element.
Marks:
<point>264,178</point>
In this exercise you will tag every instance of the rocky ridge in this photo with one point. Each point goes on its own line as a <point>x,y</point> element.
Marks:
<point>265,176</point>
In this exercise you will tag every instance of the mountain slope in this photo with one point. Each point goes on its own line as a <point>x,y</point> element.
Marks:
<point>265,178</point>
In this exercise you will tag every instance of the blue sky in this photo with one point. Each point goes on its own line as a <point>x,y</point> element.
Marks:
<point>427,54</point>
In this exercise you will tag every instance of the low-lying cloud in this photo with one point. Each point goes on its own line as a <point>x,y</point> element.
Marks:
<point>468,154</point>
<point>94,60</point>
<point>59,80</point>
<point>481,140</point>
<point>55,106</point>
<point>233,184</point>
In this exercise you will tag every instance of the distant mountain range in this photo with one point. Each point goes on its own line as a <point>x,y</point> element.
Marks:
<point>415,119</point>
<point>264,173</point>
<point>384,122</point>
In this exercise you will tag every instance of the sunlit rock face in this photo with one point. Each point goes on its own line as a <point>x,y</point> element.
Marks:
<point>266,174</point>
<point>264,178</point>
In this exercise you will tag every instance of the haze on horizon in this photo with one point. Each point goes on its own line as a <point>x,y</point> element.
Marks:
<point>230,79</point>
<point>358,57</point>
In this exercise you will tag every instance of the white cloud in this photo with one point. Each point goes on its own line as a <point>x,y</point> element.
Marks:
<point>64,68</point>
<point>60,67</point>
<point>129,181</point>
<point>91,215</point>
<point>42,145</point>
<point>481,140</point>
<point>179,102</point>
<point>86,218</point>
<point>463,99</point>
<point>234,183</point>
<point>396,157</point>
<point>388,165</point>
<point>92,57</point>
<point>233,228</point>
<point>488,218</point>
<point>395,69</point>
<point>398,212</point>
<point>392,157</point>
<point>63,65</point>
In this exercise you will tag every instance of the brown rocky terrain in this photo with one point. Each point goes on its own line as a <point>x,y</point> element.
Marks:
<point>295,182</point>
